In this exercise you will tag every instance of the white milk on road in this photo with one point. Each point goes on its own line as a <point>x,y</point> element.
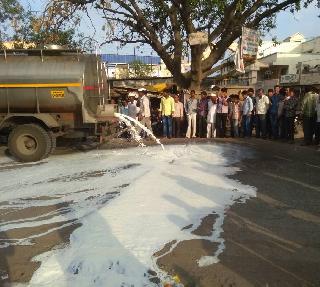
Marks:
<point>161,193</point>
<point>127,120</point>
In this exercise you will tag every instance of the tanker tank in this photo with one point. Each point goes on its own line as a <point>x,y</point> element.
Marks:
<point>45,94</point>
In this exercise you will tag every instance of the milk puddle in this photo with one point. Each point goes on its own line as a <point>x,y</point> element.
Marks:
<point>161,194</point>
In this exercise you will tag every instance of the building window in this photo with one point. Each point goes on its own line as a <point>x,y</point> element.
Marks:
<point>284,71</point>
<point>267,74</point>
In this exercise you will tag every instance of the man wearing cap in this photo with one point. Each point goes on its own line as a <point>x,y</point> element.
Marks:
<point>144,105</point>
<point>167,111</point>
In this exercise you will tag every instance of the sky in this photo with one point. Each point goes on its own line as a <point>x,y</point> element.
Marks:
<point>304,21</point>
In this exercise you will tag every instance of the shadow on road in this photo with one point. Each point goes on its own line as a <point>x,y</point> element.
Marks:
<point>271,240</point>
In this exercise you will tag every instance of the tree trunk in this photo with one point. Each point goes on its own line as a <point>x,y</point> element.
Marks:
<point>196,71</point>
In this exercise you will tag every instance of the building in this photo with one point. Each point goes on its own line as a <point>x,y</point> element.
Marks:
<point>120,66</point>
<point>287,62</point>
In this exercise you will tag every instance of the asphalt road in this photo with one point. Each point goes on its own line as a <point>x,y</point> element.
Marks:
<point>272,240</point>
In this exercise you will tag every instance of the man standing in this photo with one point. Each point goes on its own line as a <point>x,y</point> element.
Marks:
<point>211,118</point>
<point>317,129</point>
<point>222,113</point>
<point>191,111</point>
<point>132,108</point>
<point>308,109</point>
<point>144,105</point>
<point>167,111</point>
<point>234,116</point>
<point>262,105</point>
<point>269,128</point>
<point>290,106</point>
<point>124,109</point>
<point>202,114</point>
<point>275,99</point>
<point>247,108</point>
<point>253,120</point>
<point>177,117</point>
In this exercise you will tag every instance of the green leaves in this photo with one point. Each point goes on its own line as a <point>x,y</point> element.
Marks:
<point>138,69</point>
<point>57,24</point>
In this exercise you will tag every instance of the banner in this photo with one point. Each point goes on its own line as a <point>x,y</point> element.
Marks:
<point>249,43</point>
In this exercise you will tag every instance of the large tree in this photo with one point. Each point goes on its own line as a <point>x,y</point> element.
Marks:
<point>165,25</point>
<point>11,12</point>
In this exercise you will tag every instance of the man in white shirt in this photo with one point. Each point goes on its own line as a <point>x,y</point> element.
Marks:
<point>144,105</point>
<point>177,117</point>
<point>191,111</point>
<point>211,118</point>
<point>262,106</point>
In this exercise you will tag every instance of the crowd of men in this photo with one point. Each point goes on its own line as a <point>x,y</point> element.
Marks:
<point>271,115</point>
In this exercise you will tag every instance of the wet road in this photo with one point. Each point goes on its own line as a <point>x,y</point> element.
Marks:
<point>273,239</point>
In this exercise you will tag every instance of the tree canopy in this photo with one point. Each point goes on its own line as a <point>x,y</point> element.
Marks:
<point>138,69</point>
<point>56,24</point>
<point>166,25</point>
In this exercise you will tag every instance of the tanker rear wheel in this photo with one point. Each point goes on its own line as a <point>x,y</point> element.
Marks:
<point>29,143</point>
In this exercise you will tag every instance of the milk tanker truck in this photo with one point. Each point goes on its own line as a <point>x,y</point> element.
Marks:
<point>48,93</point>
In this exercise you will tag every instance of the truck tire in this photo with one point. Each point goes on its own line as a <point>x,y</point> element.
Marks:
<point>29,143</point>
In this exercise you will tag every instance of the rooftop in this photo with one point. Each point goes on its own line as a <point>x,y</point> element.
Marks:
<point>127,59</point>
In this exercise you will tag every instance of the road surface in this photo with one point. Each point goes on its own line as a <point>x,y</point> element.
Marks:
<point>270,240</point>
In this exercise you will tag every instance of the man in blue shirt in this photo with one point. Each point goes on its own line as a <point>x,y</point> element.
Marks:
<point>274,101</point>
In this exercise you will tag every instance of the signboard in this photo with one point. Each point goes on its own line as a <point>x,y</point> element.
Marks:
<point>249,42</point>
<point>57,94</point>
<point>199,38</point>
<point>291,78</point>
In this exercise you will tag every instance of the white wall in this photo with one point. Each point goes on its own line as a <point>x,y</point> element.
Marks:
<point>312,45</point>
<point>293,59</point>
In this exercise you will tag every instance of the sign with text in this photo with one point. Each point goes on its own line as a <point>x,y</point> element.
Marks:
<point>199,38</point>
<point>57,94</point>
<point>249,42</point>
<point>291,78</point>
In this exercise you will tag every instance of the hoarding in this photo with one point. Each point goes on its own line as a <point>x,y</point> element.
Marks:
<point>288,79</point>
<point>249,42</point>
